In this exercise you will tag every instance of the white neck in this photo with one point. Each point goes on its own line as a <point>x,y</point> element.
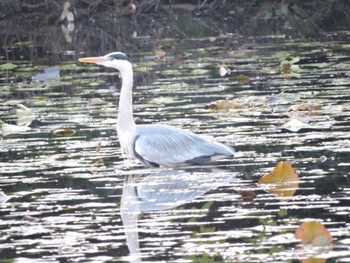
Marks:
<point>126,124</point>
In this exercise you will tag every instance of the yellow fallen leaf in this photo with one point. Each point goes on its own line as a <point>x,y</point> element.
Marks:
<point>313,233</point>
<point>225,105</point>
<point>284,180</point>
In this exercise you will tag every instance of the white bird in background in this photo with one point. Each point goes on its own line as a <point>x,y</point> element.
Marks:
<point>155,145</point>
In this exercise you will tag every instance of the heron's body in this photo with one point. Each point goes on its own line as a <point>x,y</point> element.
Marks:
<point>155,144</point>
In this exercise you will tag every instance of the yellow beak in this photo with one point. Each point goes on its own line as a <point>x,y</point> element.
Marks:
<point>94,60</point>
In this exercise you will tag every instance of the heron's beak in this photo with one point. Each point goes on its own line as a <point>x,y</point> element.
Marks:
<point>94,60</point>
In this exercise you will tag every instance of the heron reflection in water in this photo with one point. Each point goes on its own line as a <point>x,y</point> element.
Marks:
<point>155,145</point>
<point>159,191</point>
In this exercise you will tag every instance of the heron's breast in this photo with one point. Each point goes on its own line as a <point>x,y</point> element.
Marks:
<point>126,143</point>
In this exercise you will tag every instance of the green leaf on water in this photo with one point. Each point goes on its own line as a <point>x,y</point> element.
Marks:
<point>8,66</point>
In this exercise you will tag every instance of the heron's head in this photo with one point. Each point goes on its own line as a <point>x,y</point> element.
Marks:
<point>115,60</point>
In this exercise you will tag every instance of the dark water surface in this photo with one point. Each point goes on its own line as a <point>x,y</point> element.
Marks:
<point>75,199</point>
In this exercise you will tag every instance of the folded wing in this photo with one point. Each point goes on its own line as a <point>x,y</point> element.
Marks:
<point>163,145</point>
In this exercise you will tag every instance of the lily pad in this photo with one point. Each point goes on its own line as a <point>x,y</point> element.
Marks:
<point>8,66</point>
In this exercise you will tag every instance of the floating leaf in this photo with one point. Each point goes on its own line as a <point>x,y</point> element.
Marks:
<point>295,125</point>
<point>287,65</point>
<point>224,71</point>
<point>247,196</point>
<point>7,129</point>
<point>8,66</point>
<point>314,260</point>
<point>24,115</point>
<point>308,106</point>
<point>160,53</point>
<point>225,105</point>
<point>64,132</point>
<point>242,79</point>
<point>313,233</point>
<point>284,180</point>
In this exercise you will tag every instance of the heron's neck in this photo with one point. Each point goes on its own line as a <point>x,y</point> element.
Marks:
<point>125,117</point>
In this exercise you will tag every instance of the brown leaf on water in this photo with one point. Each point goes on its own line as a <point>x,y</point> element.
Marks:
<point>225,105</point>
<point>308,106</point>
<point>159,53</point>
<point>247,196</point>
<point>314,260</point>
<point>313,233</point>
<point>287,65</point>
<point>242,79</point>
<point>64,132</point>
<point>283,180</point>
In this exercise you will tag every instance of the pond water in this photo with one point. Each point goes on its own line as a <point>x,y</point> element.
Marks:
<point>68,195</point>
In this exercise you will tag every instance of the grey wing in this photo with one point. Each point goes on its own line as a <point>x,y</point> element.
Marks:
<point>168,146</point>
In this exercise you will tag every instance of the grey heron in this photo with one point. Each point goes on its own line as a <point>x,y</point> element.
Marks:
<point>155,145</point>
